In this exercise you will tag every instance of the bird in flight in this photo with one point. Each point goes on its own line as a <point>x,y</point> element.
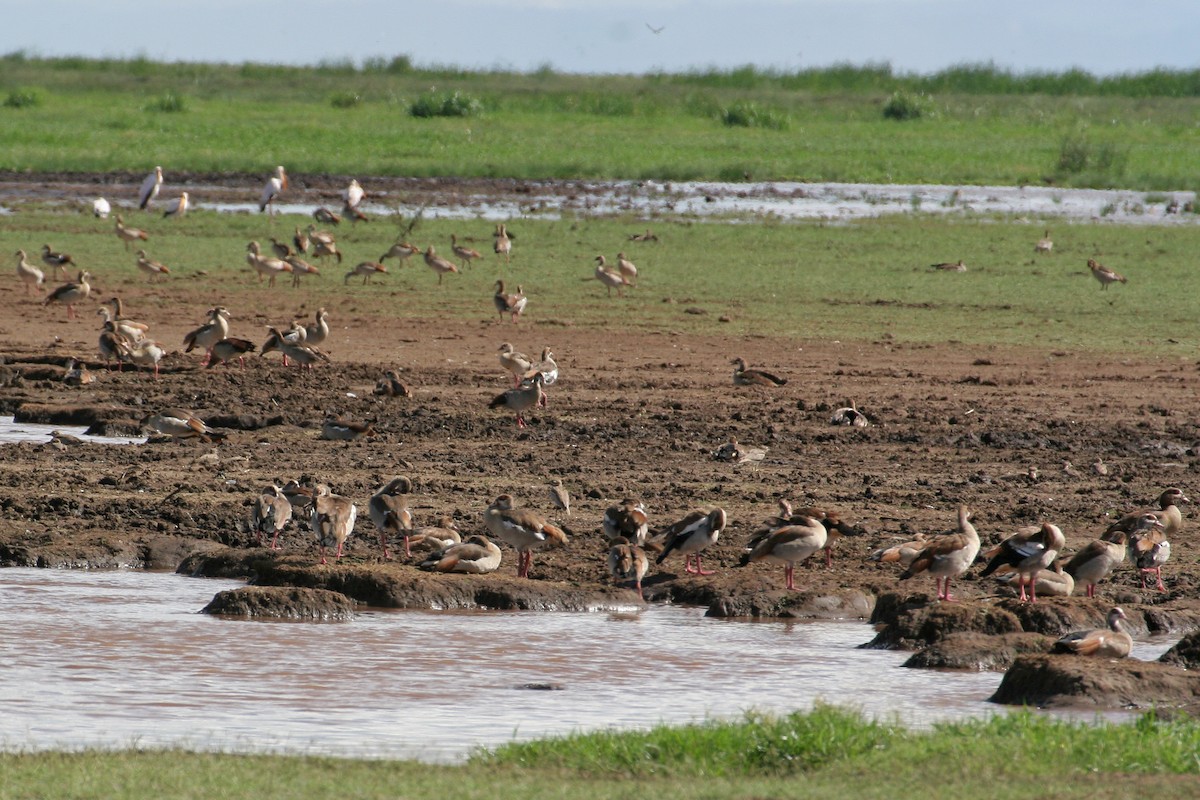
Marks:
<point>655,30</point>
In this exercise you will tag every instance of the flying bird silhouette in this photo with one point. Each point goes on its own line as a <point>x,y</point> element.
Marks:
<point>655,30</point>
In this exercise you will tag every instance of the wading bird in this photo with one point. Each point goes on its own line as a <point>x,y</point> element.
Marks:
<point>150,188</point>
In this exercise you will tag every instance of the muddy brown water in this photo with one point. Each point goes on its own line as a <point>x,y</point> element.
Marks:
<point>109,659</point>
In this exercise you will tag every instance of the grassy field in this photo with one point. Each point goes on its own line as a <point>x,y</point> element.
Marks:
<point>826,753</point>
<point>861,281</point>
<point>958,127</point>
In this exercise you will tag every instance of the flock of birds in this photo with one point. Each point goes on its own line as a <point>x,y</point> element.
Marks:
<point>1045,245</point>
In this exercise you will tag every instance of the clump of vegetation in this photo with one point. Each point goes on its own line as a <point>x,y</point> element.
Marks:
<point>903,106</point>
<point>23,98</point>
<point>1078,155</point>
<point>346,100</point>
<point>445,104</point>
<point>168,103</point>
<point>752,115</point>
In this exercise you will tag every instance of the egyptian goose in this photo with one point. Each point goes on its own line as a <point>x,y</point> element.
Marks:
<point>1050,582</point>
<point>400,250</point>
<point>265,266</point>
<point>1027,552</point>
<point>517,302</point>
<point>300,268</point>
<point>302,354</point>
<point>56,260</point>
<point>150,188</point>
<point>130,328</point>
<point>110,345</point>
<point>478,555</point>
<point>690,535</point>
<point>611,280</point>
<point>1044,244</point>
<point>230,348</point>
<point>527,395</point>
<point>282,250</point>
<point>627,269</point>
<point>390,385</point>
<point>354,214</point>
<point>143,353</point>
<point>516,362</point>
<point>300,240</point>
<point>270,514</point>
<point>753,377</point>
<point>344,430</point>
<point>101,208</point>
<point>78,374</point>
<point>1148,551</point>
<point>467,254</point>
<point>436,537</point>
<point>317,331</point>
<point>30,275</point>
<point>1104,274</point>
<point>503,302</point>
<point>1098,558</point>
<point>274,186</point>
<point>353,194</point>
<point>502,242</point>
<point>947,556</point>
<point>127,235</point>
<point>1111,642</point>
<point>831,520</point>
<point>626,520</point>
<point>332,519</point>
<point>560,498</point>
<point>628,562</point>
<point>438,264</point>
<point>901,553</point>
<point>179,423</point>
<point>1167,512</point>
<point>208,334</point>
<point>389,511</point>
<point>791,544</point>
<point>523,530</point>
<point>950,266</point>
<point>301,497</point>
<point>367,269</point>
<point>179,208</point>
<point>326,217</point>
<point>547,366</point>
<point>153,269</point>
<point>71,293</point>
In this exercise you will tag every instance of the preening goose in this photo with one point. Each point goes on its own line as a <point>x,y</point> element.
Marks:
<point>389,511</point>
<point>627,562</point>
<point>332,519</point>
<point>1027,552</point>
<point>271,513</point>
<point>628,520</point>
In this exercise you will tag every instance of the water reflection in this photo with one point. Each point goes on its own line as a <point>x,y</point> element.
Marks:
<point>12,431</point>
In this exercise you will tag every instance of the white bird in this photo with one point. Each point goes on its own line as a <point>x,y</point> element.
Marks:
<point>354,194</point>
<point>100,208</point>
<point>30,275</point>
<point>179,208</point>
<point>150,188</point>
<point>274,186</point>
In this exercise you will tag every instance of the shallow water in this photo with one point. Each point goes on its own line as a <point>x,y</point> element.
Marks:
<point>117,659</point>
<point>11,431</point>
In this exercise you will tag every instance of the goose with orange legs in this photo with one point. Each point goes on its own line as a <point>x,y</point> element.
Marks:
<point>467,254</point>
<point>71,293</point>
<point>270,515</point>
<point>692,534</point>
<point>831,520</point>
<point>388,509</point>
<point>110,344</point>
<point>515,362</point>
<point>528,394</point>
<point>1111,642</point>
<point>438,264</point>
<point>303,355</point>
<point>1097,559</point>
<point>272,189</point>
<point>56,260</point>
<point>523,530</point>
<point>228,349</point>
<point>31,276</point>
<point>948,556</point>
<point>627,519</point>
<point>145,353</point>
<point>127,234</point>
<point>127,329</point>
<point>627,562</point>
<point>1027,552</point>
<point>208,334</point>
<point>150,188</point>
<point>1148,550</point>
<point>790,545</point>
<point>332,520</point>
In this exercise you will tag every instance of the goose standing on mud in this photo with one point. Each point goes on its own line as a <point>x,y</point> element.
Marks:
<point>271,513</point>
<point>1167,512</point>
<point>150,188</point>
<point>1111,642</point>
<point>1148,550</point>
<point>388,509</point>
<point>1098,558</point>
<point>30,275</point>
<point>144,353</point>
<point>690,535</point>
<point>332,520</point>
<point>179,423</point>
<point>628,520</point>
<point>71,293</point>
<point>208,334</point>
<point>1027,552</point>
<point>790,545</point>
<point>523,530</point>
<point>627,562</point>
<point>228,349</point>
<point>515,362</point>
<point>525,396</point>
<point>560,498</point>
<point>947,556</point>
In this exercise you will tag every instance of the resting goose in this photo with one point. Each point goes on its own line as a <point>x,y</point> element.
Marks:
<point>626,520</point>
<point>467,254</point>
<point>438,264</point>
<point>791,544</point>
<point>690,535</point>
<point>436,537</point>
<point>30,275</point>
<point>270,514</point>
<point>527,395</point>
<point>281,249</point>
<point>354,214</point>
<point>902,553</point>
<point>389,511</point>
<point>522,529</point>
<point>627,562</point>
<point>78,374</point>
<point>1111,642</point>
<point>301,497</point>
<point>950,266</point>
<point>1050,582</point>
<point>947,556</point>
<point>208,334</point>
<point>478,555</point>
<point>390,385</point>
<point>332,519</point>
<point>179,423</point>
<point>1027,552</point>
<point>71,293</point>
<point>344,430</point>
<point>1104,274</point>
<point>1044,244</point>
<point>753,377</point>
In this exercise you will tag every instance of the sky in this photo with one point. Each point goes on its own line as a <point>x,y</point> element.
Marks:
<point>1103,37</point>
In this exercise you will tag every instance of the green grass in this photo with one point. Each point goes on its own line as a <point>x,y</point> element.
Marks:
<point>975,126</point>
<point>827,753</point>
<point>866,281</point>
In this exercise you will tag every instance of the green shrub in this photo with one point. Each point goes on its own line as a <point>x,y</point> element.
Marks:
<point>445,104</point>
<point>1077,155</point>
<point>23,98</point>
<point>903,106</point>
<point>346,100</point>
<point>169,103</point>
<point>751,115</point>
